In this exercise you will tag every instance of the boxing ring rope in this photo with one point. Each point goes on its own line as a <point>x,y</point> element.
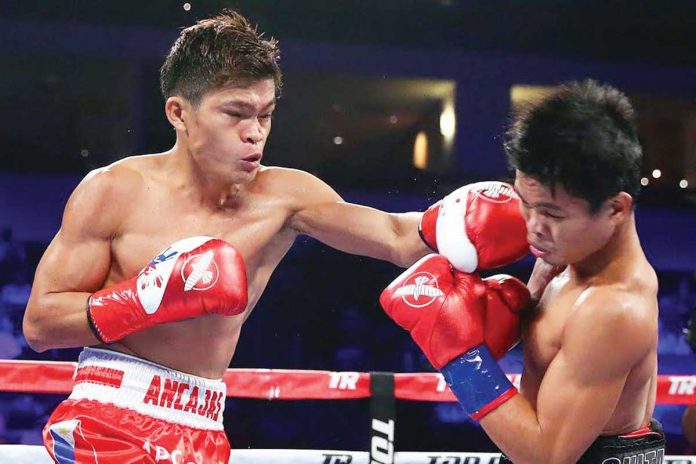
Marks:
<point>284,384</point>
<point>41,377</point>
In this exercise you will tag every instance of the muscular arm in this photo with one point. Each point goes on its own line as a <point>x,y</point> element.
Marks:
<point>75,264</point>
<point>608,335</point>
<point>322,214</point>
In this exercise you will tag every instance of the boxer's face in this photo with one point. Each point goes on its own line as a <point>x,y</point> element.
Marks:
<point>227,131</point>
<point>561,227</point>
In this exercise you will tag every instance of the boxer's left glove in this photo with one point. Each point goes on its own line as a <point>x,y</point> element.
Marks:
<point>506,300</point>
<point>192,277</point>
<point>450,316</point>
<point>478,226</point>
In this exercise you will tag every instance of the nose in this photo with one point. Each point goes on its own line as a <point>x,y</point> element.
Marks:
<point>253,132</point>
<point>535,224</point>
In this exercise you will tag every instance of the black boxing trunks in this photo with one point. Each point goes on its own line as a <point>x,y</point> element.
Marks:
<point>644,446</point>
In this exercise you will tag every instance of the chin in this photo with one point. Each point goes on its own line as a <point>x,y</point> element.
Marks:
<point>246,177</point>
<point>555,260</point>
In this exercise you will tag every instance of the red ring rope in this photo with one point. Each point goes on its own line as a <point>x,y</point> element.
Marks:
<point>282,384</point>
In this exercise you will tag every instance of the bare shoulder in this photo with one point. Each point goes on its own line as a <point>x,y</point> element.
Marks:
<point>629,296</point>
<point>616,322</point>
<point>103,196</point>
<point>295,186</point>
<point>609,303</point>
<point>118,183</point>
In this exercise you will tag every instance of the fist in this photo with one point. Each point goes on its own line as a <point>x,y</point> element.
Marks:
<point>442,308</point>
<point>506,299</point>
<point>478,226</point>
<point>448,312</point>
<point>193,277</point>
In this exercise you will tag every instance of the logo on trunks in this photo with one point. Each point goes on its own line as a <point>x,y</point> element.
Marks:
<point>180,396</point>
<point>200,272</point>
<point>496,192</point>
<point>419,290</point>
<point>446,459</point>
<point>649,457</point>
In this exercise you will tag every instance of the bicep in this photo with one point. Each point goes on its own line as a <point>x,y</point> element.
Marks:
<point>315,205</point>
<point>366,231</point>
<point>575,401</point>
<point>583,384</point>
<point>345,226</point>
<point>78,258</point>
<point>577,394</point>
<point>71,264</point>
<point>322,214</point>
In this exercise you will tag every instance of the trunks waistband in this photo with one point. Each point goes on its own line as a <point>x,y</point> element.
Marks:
<point>646,444</point>
<point>150,389</point>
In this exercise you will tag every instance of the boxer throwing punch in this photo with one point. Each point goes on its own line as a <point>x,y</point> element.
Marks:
<point>214,224</point>
<point>590,365</point>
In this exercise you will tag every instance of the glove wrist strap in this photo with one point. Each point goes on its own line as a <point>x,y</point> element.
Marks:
<point>92,325</point>
<point>478,382</point>
<point>429,221</point>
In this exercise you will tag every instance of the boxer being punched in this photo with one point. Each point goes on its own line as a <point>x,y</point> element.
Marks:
<point>160,258</point>
<point>590,365</point>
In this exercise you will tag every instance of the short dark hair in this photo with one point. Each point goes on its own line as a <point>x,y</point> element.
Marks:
<point>218,51</point>
<point>583,137</point>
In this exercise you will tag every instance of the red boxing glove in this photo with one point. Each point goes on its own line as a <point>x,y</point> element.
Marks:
<point>478,226</point>
<point>449,312</point>
<point>443,309</point>
<point>193,277</point>
<point>506,297</point>
<point>462,324</point>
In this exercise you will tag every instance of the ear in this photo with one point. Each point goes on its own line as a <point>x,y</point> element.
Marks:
<point>620,207</point>
<point>177,108</point>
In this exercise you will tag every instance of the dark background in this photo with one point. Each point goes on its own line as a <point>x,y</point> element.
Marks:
<point>79,89</point>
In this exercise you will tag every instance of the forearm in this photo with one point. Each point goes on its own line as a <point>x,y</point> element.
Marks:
<point>542,274</point>
<point>557,433</point>
<point>364,231</point>
<point>58,320</point>
<point>408,247</point>
<point>515,429</point>
<point>510,420</point>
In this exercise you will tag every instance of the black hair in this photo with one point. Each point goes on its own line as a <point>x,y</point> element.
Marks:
<point>218,51</point>
<point>583,137</point>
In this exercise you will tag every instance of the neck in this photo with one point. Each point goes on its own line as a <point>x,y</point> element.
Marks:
<point>204,187</point>
<point>623,244</point>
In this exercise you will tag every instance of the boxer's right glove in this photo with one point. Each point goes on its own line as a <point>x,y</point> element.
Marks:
<point>446,312</point>
<point>478,226</point>
<point>193,277</point>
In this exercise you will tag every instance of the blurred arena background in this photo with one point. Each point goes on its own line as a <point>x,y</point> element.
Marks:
<point>394,103</point>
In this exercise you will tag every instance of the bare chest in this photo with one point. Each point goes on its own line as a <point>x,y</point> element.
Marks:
<point>160,220</point>
<point>544,332</point>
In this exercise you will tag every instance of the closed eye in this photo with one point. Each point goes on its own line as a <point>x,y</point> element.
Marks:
<point>552,216</point>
